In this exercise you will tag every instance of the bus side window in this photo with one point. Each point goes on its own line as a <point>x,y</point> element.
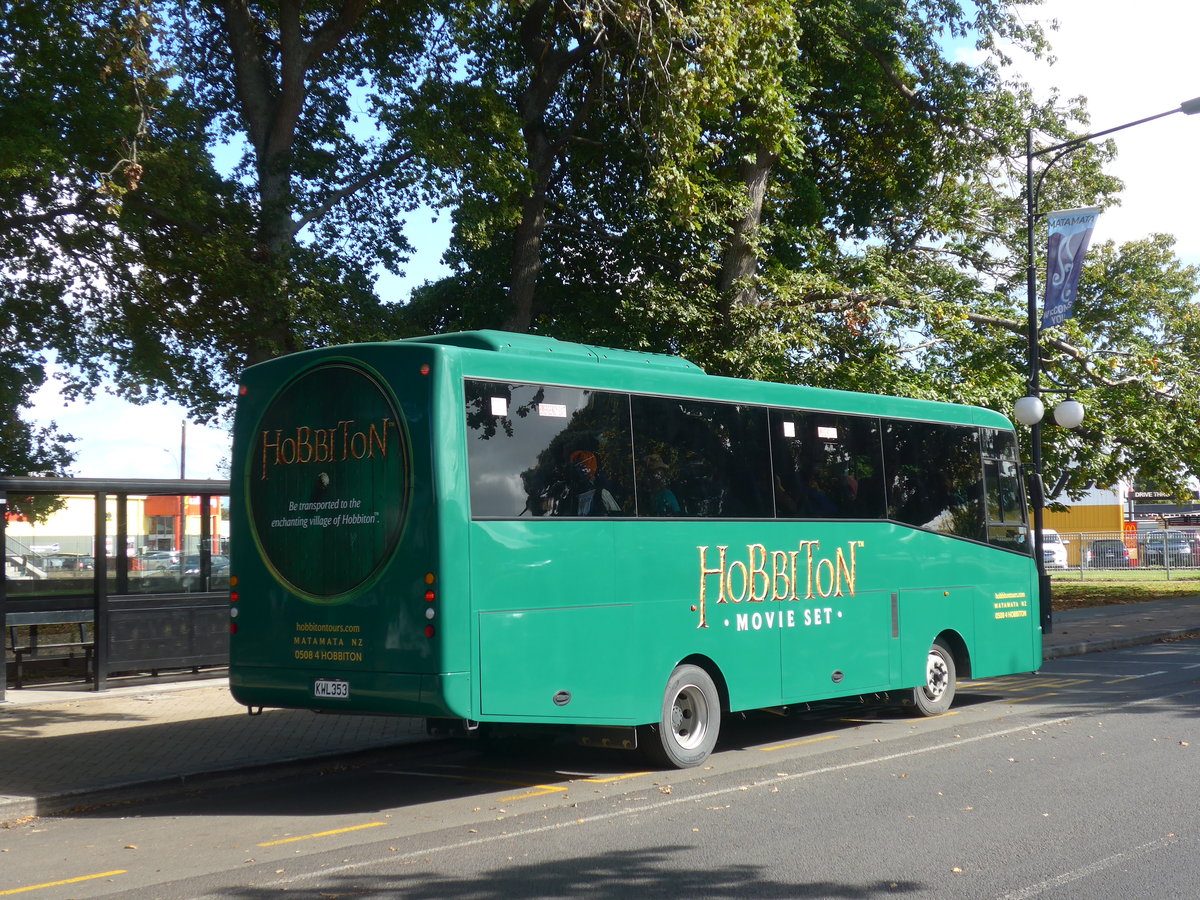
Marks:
<point>826,466</point>
<point>934,477</point>
<point>546,450</point>
<point>1004,503</point>
<point>715,454</point>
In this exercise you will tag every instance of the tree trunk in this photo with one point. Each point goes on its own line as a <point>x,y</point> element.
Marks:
<point>550,69</point>
<point>271,96</point>
<point>739,263</point>
<point>527,240</point>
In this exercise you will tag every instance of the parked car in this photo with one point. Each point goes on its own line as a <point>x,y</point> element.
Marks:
<point>63,562</point>
<point>1109,553</point>
<point>218,565</point>
<point>1054,549</point>
<point>1162,547</point>
<point>155,561</point>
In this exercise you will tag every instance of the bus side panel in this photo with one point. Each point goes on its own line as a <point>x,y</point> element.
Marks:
<point>961,588</point>
<point>551,622</point>
<point>571,661</point>
<point>1008,622</point>
<point>924,614</point>
<point>692,596</point>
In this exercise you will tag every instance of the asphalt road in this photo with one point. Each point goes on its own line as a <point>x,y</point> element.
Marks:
<point>1079,782</point>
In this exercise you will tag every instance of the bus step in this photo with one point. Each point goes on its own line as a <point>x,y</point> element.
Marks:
<point>610,737</point>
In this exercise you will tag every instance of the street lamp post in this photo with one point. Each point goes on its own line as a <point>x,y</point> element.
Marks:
<point>1029,409</point>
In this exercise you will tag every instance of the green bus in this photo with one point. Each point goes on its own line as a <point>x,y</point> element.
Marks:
<point>486,527</point>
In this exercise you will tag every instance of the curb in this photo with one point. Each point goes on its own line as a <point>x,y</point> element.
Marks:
<point>1079,648</point>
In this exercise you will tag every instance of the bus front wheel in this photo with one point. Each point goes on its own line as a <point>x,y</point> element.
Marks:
<point>691,719</point>
<point>937,693</point>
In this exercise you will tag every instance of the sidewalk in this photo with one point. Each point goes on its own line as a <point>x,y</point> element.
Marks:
<point>150,739</point>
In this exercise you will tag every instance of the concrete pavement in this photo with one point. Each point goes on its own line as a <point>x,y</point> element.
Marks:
<point>65,749</point>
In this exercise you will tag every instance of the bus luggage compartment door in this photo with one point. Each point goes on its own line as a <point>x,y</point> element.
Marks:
<point>556,663</point>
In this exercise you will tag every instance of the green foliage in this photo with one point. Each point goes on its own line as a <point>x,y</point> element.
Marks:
<point>820,192</point>
<point>135,258</point>
<point>70,116</point>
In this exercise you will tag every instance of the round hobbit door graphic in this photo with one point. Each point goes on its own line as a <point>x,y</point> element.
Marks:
<point>327,481</point>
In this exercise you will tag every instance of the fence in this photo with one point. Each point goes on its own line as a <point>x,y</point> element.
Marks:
<point>1115,556</point>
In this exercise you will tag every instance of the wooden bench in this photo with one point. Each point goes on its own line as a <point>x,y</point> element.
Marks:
<point>31,648</point>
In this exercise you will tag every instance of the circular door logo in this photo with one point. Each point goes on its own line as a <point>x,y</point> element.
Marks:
<point>327,481</point>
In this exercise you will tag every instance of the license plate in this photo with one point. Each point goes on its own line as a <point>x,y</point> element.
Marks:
<point>331,689</point>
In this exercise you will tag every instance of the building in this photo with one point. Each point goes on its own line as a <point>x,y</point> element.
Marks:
<point>168,522</point>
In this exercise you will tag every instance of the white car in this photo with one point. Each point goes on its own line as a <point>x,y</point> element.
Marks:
<point>1054,549</point>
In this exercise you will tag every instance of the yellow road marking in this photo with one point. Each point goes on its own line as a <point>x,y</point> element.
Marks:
<point>824,737</point>
<point>320,834</point>
<point>612,778</point>
<point>1135,677</point>
<point>542,789</point>
<point>877,720</point>
<point>49,884</point>
<point>1034,697</point>
<point>1016,685</point>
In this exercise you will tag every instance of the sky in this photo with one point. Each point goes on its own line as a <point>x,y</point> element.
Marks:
<point>1132,61</point>
<point>1129,60</point>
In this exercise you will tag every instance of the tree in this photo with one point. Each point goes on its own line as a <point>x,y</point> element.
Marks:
<point>816,192</point>
<point>132,255</point>
<point>837,203</point>
<point>71,119</point>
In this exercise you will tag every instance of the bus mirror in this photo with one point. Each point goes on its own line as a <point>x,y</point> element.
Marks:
<point>1035,488</point>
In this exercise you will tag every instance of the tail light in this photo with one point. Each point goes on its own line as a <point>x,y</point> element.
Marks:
<point>430,604</point>
<point>234,597</point>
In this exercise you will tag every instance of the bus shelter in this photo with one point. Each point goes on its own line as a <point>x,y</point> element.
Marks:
<point>121,575</point>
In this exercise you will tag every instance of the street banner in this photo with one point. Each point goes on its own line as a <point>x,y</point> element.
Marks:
<point>1070,233</point>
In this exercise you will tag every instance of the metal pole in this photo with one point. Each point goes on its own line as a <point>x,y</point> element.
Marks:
<point>3,595</point>
<point>1033,388</point>
<point>100,598</point>
<point>179,545</point>
<point>1188,107</point>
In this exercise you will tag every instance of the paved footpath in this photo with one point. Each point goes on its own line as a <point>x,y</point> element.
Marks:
<point>61,750</point>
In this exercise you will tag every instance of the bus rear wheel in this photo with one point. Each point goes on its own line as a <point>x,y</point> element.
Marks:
<point>690,722</point>
<point>937,693</point>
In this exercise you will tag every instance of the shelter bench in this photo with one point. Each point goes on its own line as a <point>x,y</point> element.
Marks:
<point>80,645</point>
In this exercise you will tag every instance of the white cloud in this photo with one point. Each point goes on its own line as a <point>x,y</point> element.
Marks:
<point>117,439</point>
<point>1132,61</point>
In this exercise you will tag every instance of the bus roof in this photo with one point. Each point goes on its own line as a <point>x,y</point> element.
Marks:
<point>680,377</point>
<point>540,345</point>
<point>501,354</point>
